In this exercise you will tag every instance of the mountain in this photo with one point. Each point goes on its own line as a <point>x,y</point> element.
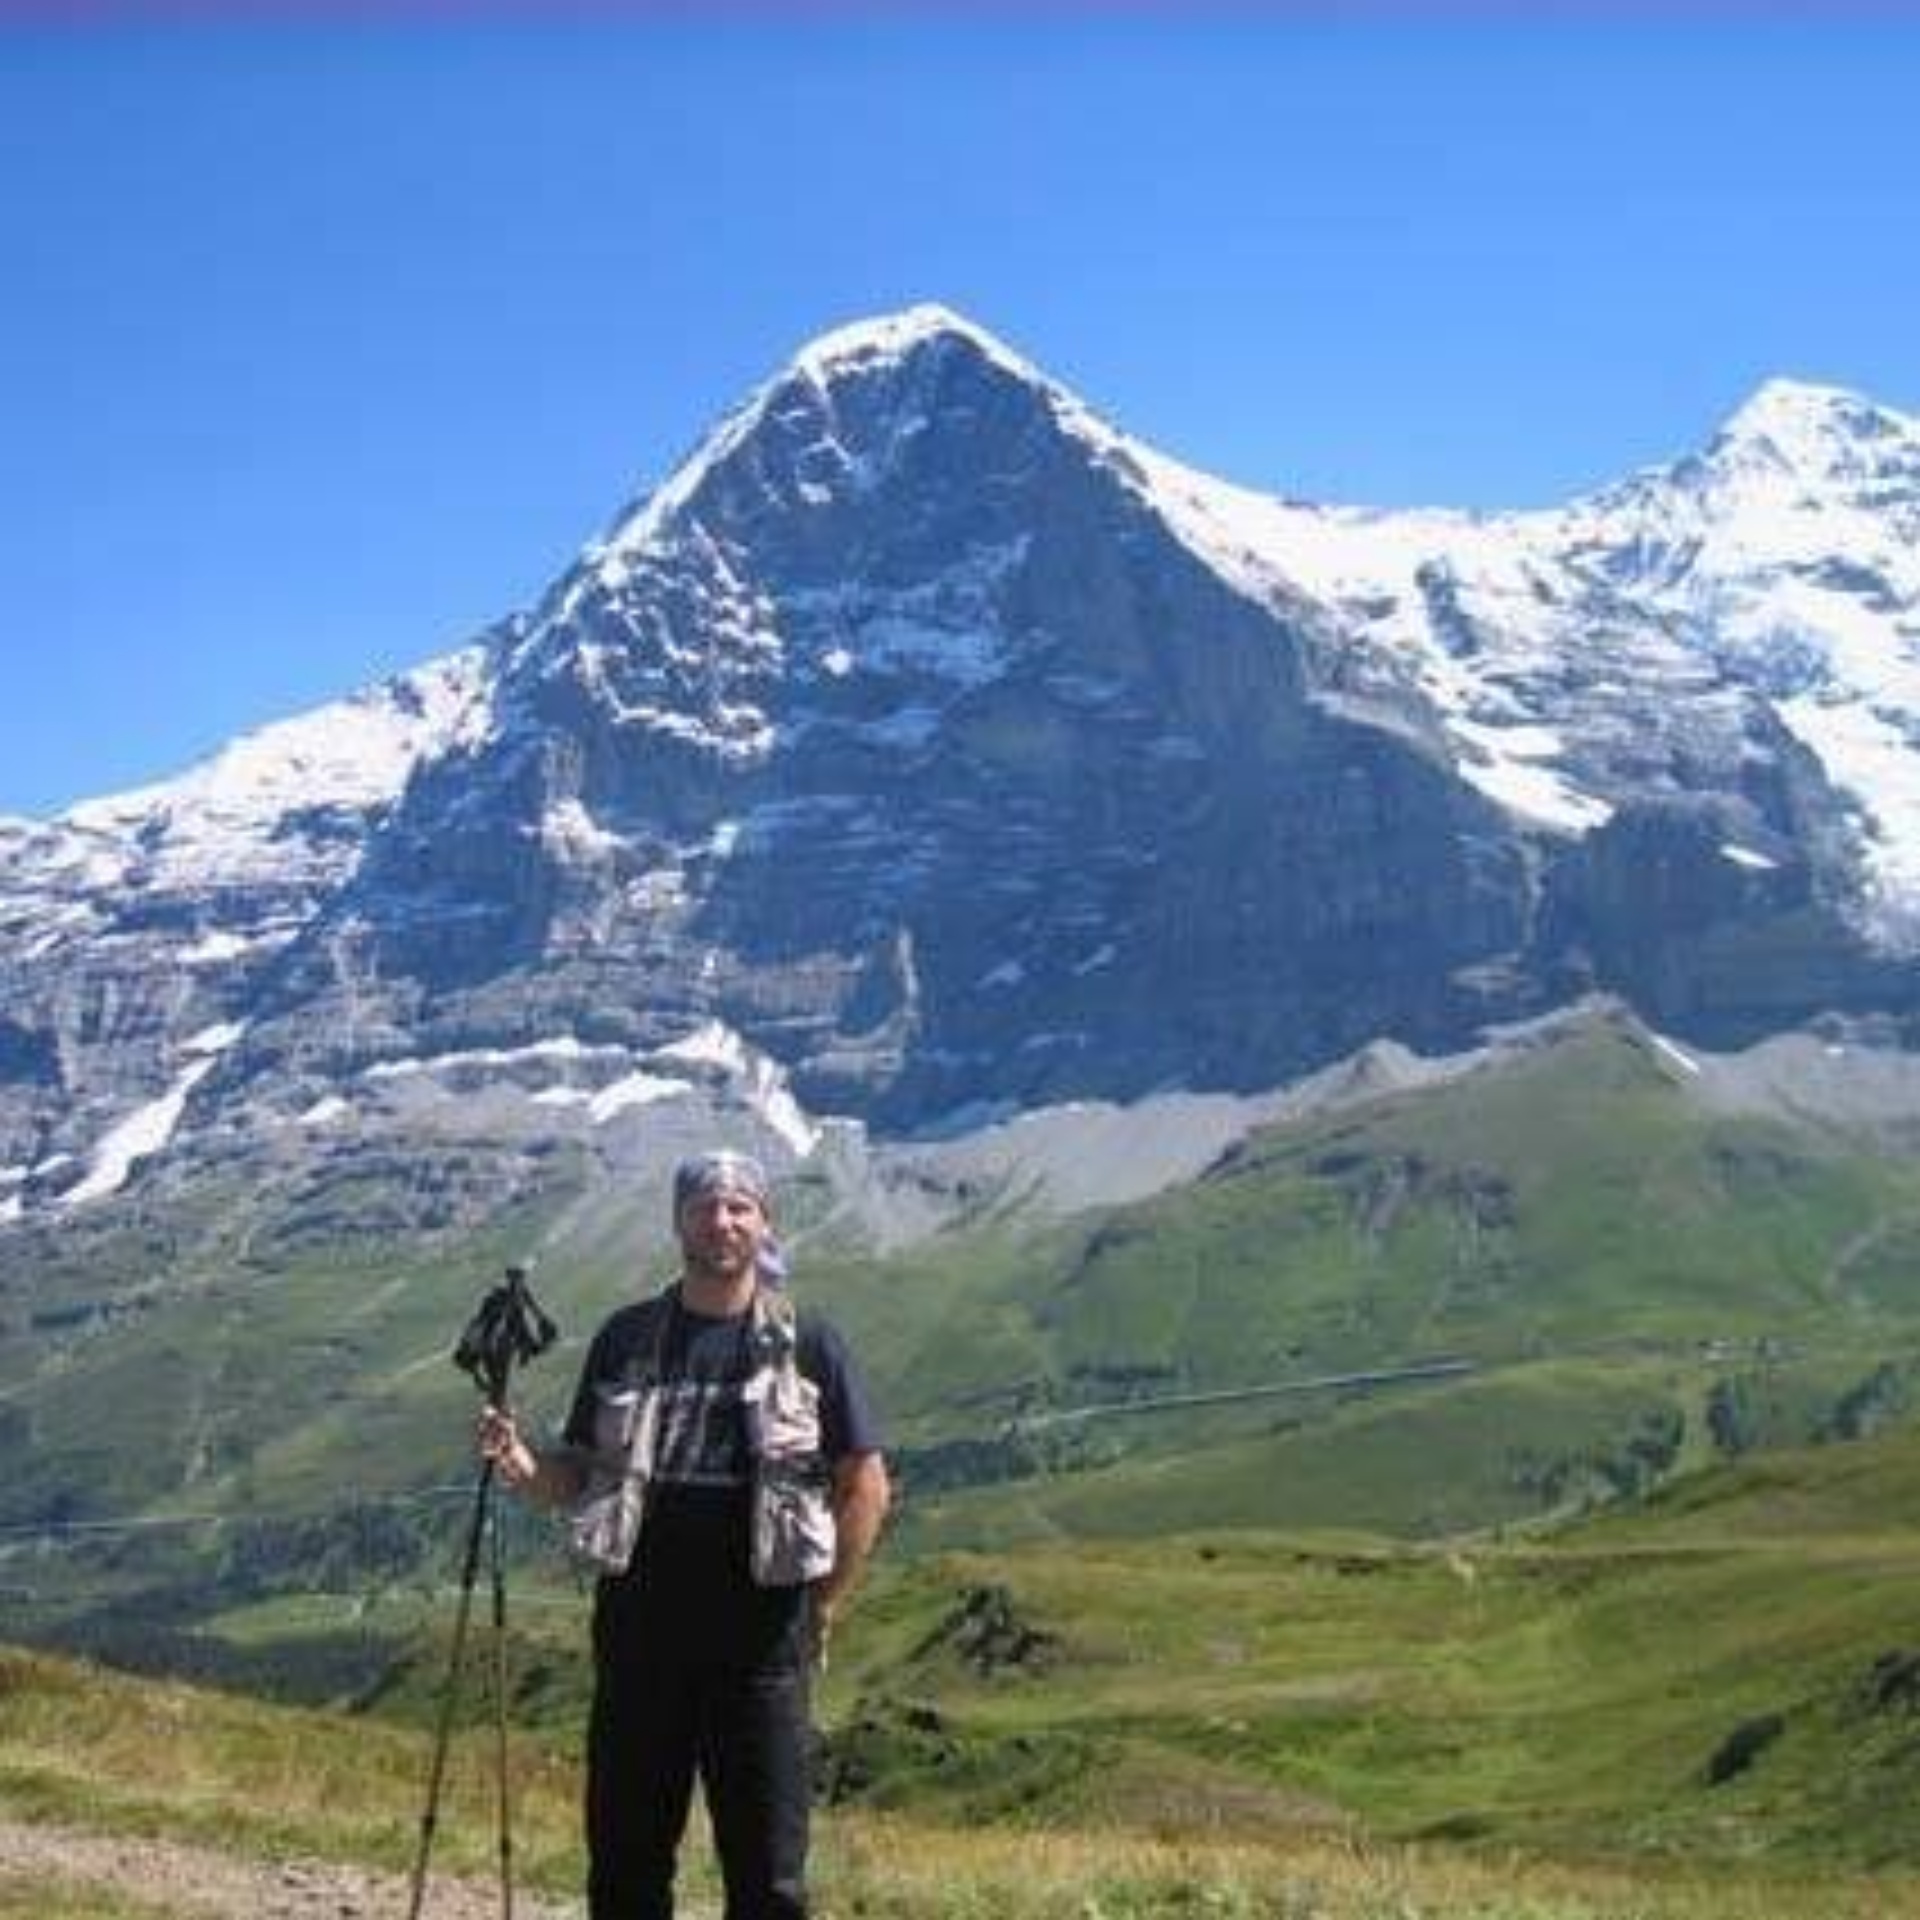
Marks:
<point>926,752</point>
<point>1649,1256</point>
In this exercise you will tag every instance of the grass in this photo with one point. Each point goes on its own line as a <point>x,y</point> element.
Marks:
<point>93,1749</point>
<point>263,1782</point>
<point>1563,1694</point>
<point>1419,1460</point>
<point>1572,1202</point>
<point>58,1897</point>
<point>1227,1723</point>
<point>882,1867</point>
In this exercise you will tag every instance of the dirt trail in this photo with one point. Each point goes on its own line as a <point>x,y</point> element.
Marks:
<point>183,1879</point>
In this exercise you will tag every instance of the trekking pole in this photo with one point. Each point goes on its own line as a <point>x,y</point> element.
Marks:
<point>509,1328</point>
<point>469,1571</point>
<point>502,1774</point>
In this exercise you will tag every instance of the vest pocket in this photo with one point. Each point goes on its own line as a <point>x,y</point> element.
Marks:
<point>783,1415</point>
<point>605,1526</point>
<point>794,1536</point>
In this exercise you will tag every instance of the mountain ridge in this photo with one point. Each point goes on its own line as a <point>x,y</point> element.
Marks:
<point>924,730</point>
<point>1804,405</point>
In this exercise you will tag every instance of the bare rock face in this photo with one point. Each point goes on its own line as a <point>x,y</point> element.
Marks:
<point>943,751</point>
<point>1651,906</point>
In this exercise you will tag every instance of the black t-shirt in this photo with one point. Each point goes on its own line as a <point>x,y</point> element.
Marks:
<point>703,1467</point>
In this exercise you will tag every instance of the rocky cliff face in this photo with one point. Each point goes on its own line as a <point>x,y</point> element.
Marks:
<point>935,750</point>
<point>908,741</point>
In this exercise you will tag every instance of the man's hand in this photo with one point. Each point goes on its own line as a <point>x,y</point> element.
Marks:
<point>825,1611</point>
<point>861,1496</point>
<point>497,1438</point>
<point>550,1479</point>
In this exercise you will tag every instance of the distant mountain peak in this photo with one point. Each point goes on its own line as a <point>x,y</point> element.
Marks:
<point>1806,427</point>
<point>885,347</point>
<point>895,336</point>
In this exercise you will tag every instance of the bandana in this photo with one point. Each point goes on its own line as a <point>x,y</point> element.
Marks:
<point>721,1171</point>
<point>726,1171</point>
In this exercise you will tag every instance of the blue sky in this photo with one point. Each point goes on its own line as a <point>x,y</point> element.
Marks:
<point>322,345</point>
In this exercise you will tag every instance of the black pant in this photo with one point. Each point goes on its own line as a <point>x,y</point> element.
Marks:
<point>697,1678</point>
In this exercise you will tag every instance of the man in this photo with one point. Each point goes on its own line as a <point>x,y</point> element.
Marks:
<point>723,1468</point>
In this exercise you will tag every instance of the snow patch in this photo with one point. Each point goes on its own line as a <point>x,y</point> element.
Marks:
<point>857,348</point>
<point>1874,757</point>
<point>215,1039</point>
<point>636,1090</point>
<point>762,1080</point>
<point>712,1044</point>
<point>774,1102</point>
<point>1676,1055</point>
<point>572,832</point>
<point>970,658</point>
<point>891,336</point>
<point>223,819</point>
<point>1536,793</point>
<point>1508,765</point>
<point>142,1134</point>
<point>211,949</point>
<point>565,1047</point>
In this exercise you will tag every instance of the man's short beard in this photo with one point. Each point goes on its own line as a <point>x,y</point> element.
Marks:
<point>717,1266</point>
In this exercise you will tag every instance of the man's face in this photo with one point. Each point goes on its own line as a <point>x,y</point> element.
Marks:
<point>721,1233</point>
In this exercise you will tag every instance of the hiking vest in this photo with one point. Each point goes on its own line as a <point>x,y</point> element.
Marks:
<point>792,1535</point>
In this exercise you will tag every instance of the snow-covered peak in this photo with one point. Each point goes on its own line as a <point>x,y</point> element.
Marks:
<point>860,349</point>
<point>1785,555</point>
<point>1812,431</point>
<point>891,337</point>
<point>351,752</point>
<point>224,816</point>
<point>1782,554</point>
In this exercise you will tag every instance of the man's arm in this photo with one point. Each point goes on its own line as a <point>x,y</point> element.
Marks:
<point>862,1494</point>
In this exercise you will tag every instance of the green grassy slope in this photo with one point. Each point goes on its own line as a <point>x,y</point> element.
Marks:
<point>1256,1705</point>
<point>1418,1461</point>
<point>1644,1285</point>
<point>1573,1200</point>
<point>1561,1693</point>
<point>258,1783</point>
